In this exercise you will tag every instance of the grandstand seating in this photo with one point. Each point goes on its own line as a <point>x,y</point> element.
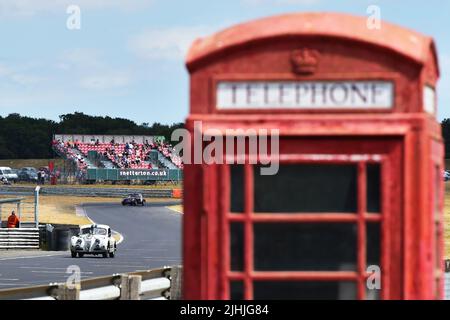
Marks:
<point>133,156</point>
<point>66,150</point>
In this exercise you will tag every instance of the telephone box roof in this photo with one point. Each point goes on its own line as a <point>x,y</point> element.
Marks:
<point>408,43</point>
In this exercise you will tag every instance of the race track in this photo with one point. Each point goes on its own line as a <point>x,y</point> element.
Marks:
<point>152,239</point>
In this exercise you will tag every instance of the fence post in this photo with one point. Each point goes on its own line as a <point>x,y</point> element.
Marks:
<point>65,292</point>
<point>19,212</point>
<point>130,287</point>
<point>36,206</point>
<point>176,283</point>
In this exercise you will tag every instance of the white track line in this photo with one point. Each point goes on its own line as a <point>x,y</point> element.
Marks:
<point>9,279</point>
<point>63,272</point>
<point>33,257</point>
<point>175,210</point>
<point>44,268</point>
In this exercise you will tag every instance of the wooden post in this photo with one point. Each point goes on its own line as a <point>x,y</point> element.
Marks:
<point>176,283</point>
<point>65,292</point>
<point>130,287</point>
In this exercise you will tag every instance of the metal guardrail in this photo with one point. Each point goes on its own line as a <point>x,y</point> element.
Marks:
<point>156,284</point>
<point>447,286</point>
<point>89,192</point>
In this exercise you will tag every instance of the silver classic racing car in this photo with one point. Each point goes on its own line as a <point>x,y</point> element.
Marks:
<point>93,239</point>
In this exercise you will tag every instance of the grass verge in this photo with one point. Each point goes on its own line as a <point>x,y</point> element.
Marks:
<point>107,186</point>
<point>176,208</point>
<point>447,220</point>
<point>59,209</point>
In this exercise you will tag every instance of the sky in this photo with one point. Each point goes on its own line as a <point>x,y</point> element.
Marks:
<point>127,58</point>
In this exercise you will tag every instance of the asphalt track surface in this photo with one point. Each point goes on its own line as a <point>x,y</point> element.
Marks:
<point>152,239</point>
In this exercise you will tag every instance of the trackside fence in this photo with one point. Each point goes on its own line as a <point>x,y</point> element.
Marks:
<point>155,284</point>
<point>88,192</point>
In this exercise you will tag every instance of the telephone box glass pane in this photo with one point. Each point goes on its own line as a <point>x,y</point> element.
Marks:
<point>237,246</point>
<point>305,247</point>
<point>236,290</point>
<point>307,188</point>
<point>290,290</point>
<point>237,188</point>
<point>373,294</point>
<point>373,244</point>
<point>374,188</point>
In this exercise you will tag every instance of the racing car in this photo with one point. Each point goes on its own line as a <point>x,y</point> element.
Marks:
<point>93,239</point>
<point>134,199</point>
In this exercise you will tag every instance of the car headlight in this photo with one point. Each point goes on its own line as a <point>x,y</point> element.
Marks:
<point>79,241</point>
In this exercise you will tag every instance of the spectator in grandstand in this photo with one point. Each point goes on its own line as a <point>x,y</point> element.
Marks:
<point>13,221</point>
<point>97,143</point>
<point>42,178</point>
<point>112,142</point>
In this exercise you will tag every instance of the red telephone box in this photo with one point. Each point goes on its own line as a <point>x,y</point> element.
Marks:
<point>360,153</point>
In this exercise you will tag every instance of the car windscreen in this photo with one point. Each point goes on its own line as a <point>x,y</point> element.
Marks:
<point>7,171</point>
<point>85,231</point>
<point>100,231</point>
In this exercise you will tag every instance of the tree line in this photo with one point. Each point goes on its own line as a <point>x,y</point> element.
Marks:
<point>29,138</point>
<point>446,134</point>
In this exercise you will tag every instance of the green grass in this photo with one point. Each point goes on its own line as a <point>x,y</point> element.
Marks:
<point>36,163</point>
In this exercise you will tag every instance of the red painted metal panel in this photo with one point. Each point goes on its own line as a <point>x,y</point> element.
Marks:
<point>408,43</point>
<point>405,141</point>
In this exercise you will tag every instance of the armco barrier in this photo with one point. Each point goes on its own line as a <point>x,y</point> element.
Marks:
<point>156,284</point>
<point>88,192</point>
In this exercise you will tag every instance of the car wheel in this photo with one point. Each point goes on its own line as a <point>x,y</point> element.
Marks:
<point>105,255</point>
<point>81,255</point>
<point>73,254</point>
<point>112,254</point>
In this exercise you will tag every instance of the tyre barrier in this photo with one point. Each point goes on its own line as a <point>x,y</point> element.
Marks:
<point>19,239</point>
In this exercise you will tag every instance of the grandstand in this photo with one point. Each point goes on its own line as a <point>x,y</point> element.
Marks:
<point>116,152</point>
